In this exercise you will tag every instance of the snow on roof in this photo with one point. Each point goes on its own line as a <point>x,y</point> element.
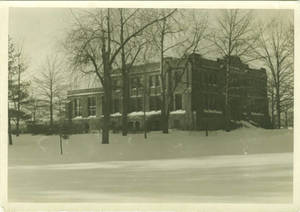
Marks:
<point>178,112</point>
<point>116,114</point>
<point>148,113</point>
<point>139,113</point>
<point>153,112</point>
<point>85,94</point>
<point>80,117</point>
<point>213,111</point>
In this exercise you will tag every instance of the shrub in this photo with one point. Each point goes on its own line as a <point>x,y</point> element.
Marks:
<point>57,128</point>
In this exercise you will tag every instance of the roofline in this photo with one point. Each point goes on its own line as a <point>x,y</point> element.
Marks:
<point>84,94</point>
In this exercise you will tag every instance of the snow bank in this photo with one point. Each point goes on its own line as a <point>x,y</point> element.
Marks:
<point>247,124</point>
<point>257,114</point>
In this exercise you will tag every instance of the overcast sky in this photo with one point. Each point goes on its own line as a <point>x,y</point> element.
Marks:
<point>40,30</point>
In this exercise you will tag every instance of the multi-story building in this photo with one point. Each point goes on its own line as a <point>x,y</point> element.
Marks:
<point>196,92</point>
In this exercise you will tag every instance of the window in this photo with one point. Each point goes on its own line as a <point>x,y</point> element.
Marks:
<point>205,78</point>
<point>212,102</point>
<point>136,104</point>
<point>77,107</point>
<point>177,76</point>
<point>178,101</point>
<point>151,83</point>
<point>204,99</point>
<point>116,105</point>
<point>234,82</point>
<point>257,106</point>
<point>92,106</point>
<point>157,81</point>
<point>136,82</point>
<point>209,102</point>
<point>155,103</point>
<point>132,105</point>
<point>116,84</point>
<point>139,104</point>
<point>154,81</point>
<point>158,103</point>
<point>133,82</point>
<point>211,78</point>
<point>152,103</point>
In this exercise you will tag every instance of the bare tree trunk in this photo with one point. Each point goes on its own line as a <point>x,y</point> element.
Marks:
<point>164,120</point>
<point>272,108</point>
<point>125,79</point>
<point>107,82</point>
<point>144,105</point>
<point>107,103</point>
<point>286,119</point>
<point>278,107</point>
<point>51,112</point>
<point>9,131</point>
<point>18,103</point>
<point>126,102</point>
<point>227,106</point>
<point>60,144</point>
<point>33,116</point>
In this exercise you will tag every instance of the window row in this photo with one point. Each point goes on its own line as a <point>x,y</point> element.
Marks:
<point>154,81</point>
<point>135,104</point>
<point>137,82</point>
<point>257,106</point>
<point>210,102</point>
<point>77,106</point>
<point>209,78</point>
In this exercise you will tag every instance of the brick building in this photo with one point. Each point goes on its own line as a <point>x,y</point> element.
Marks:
<point>196,91</point>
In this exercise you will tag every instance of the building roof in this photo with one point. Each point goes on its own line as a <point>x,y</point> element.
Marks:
<point>155,66</point>
<point>86,91</point>
<point>148,67</point>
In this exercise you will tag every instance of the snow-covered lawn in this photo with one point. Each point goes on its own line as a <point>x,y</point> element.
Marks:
<point>245,165</point>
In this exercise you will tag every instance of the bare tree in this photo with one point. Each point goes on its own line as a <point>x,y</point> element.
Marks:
<point>17,87</point>
<point>276,51</point>
<point>233,35</point>
<point>50,84</point>
<point>172,34</point>
<point>129,53</point>
<point>91,45</point>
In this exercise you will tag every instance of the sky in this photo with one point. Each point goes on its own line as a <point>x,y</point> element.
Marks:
<point>40,31</point>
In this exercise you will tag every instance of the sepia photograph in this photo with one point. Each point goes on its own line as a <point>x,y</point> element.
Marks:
<point>150,105</point>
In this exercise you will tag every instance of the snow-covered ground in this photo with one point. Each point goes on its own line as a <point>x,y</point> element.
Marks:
<point>245,165</point>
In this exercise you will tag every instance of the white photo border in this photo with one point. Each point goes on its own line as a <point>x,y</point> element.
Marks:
<point>149,207</point>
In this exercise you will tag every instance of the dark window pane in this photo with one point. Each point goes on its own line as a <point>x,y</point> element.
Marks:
<point>178,101</point>
<point>158,103</point>
<point>150,81</point>
<point>157,81</point>
<point>92,106</point>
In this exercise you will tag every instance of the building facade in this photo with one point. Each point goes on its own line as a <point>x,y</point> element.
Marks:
<point>196,95</point>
